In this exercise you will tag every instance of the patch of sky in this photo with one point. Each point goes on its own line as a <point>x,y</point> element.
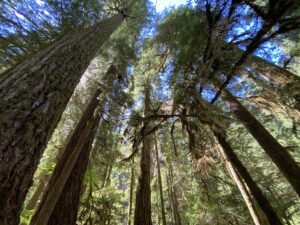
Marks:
<point>163,91</point>
<point>239,87</point>
<point>208,93</point>
<point>244,29</point>
<point>161,5</point>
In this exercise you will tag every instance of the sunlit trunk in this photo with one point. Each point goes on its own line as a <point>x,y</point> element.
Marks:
<point>258,195</point>
<point>279,155</point>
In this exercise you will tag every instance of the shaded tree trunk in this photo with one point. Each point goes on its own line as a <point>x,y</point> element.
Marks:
<point>64,185</point>
<point>69,198</point>
<point>163,214</point>
<point>142,214</point>
<point>286,164</point>
<point>173,197</point>
<point>262,201</point>
<point>33,96</point>
<point>131,194</point>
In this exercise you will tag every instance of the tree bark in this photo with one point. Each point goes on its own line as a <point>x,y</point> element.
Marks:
<point>38,192</point>
<point>69,198</point>
<point>173,197</point>
<point>163,213</point>
<point>61,190</point>
<point>262,201</point>
<point>285,80</point>
<point>286,164</point>
<point>142,214</point>
<point>33,96</point>
<point>242,188</point>
<point>269,100</point>
<point>131,195</point>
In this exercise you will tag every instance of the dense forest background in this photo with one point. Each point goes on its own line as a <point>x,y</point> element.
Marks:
<point>112,113</point>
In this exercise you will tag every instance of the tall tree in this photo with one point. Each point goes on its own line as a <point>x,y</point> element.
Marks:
<point>162,205</point>
<point>33,96</point>
<point>263,202</point>
<point>280,156</point>
<point>142,213</point>
<point>173,196</point>
<point>243,189</point>
<point>129,219</point>
<point>69,197</point>
<point>66,178</point>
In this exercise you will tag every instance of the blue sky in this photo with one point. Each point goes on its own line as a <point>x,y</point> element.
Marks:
<point>162,4</point>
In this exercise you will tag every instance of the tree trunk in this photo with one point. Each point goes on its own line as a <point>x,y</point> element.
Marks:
<point>33,96</point>
<point>163,214</point>
<point>286,164</point>
<point>37,192</point>
<point>244,192</point>
<point>286,82</point>
<point>269,100</point>
<point>60,187</point>
<point>173,197</point>
<point>131,195</point>
<point>231,157</point>
<point>69,198</point>
<point>170,197</point>
<point>142,214</point>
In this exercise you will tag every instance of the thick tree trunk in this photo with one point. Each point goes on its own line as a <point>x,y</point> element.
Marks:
<point>142,214</point>
<point>131,195</point>
<point>231,157</point>
<point>163,213</point>
<point>33,96</point>
<point>269,100</point>
<point>244,192</point>
<point>287,83</point>
<point>69,198</point>
<point>286,164</point>
<point>60,189</point>
<point>285,80</point>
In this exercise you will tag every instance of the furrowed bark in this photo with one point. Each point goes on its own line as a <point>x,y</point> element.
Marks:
<point>279,155</point>
<point>231,157</point>
<point>69,198</point>
<point>33,96</point>
<point>142,214</point>
<point>65,171</point>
